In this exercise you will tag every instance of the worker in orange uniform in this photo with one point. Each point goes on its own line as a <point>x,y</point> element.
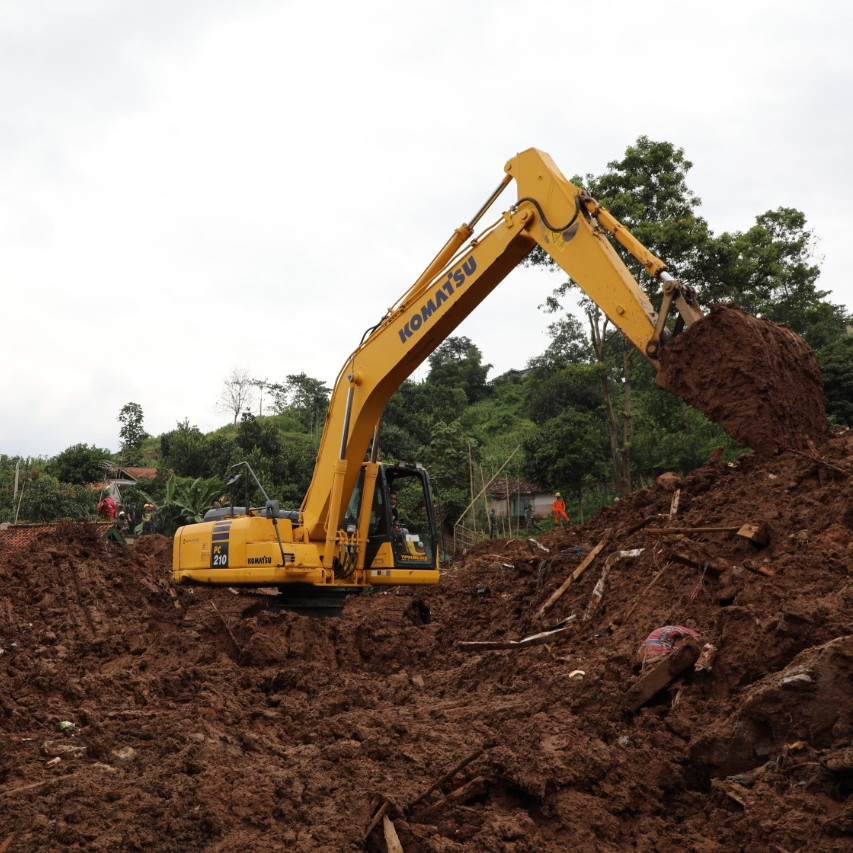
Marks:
<point>559,510</point>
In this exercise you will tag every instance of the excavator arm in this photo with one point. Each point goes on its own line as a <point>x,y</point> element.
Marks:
<point>550,212</point>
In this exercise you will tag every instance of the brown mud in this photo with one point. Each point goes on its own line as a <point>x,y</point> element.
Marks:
<point>203,723</point>
<point>758,380</point>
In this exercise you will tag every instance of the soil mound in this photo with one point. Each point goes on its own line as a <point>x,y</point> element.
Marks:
<point>758,380</point>
<point>202,722</point>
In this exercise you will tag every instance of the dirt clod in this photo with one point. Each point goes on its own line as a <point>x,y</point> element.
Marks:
<point>757,379</point>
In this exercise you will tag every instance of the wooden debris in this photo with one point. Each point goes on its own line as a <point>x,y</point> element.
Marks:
<point>673,504</point>
<point>624,534</point>
<point>838,760</point>
<point>378,815</point>
<point>755,532</point>
<point>392,841</point>
<point>815,458</point>
<point>667,671</point>
<point>466,792</point>
<point>571,579</point>
<point>712,563</point>
<point>447,777</point>
<point>533,640</point>
<point>677,531</point>
<point>724,788</point>
<point>10,791</point>
<point>705,663</point>
<point>759,569</point>
<point>758,533</point>
<point>598,592</point>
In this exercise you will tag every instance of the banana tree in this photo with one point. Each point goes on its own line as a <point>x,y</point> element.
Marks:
<point>185,501</point>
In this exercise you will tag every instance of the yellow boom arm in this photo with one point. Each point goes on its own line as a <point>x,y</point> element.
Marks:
<point>550,212</point>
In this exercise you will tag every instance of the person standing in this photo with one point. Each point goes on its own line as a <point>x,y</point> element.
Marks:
<point>559,510</point>
<point>148,513</point>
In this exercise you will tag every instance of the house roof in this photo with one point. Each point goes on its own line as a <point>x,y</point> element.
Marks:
<point>135,474</point>
<point>517,485</point>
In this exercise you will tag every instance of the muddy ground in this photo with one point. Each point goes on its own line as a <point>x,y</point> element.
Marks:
<point>204,724</point>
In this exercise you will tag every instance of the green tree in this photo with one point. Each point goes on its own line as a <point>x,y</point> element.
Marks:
<point>184,450</point>
<point>44,498</point>
<point>568,452</point>
<point>569,345</point>
<point>416,406</point>
<point>80,464</point>
<point>132,432</point>
<point>310,397</point>
<point>458,363</point>
<point>446,456</point>
<point>575,387</point>
<point>836,365</point>
<point>770,270</point>
<point>184,501</point>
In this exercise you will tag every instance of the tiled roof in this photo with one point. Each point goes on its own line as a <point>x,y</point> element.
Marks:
<point>139,473</point>
<point>517,485</point>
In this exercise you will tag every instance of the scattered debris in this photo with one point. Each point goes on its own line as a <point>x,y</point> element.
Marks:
<point>598,590</point>
<point>587,561</point>
<point>662,675</point>
<point>447,777</point>
<point>707,656</point>
<point>533,640</point>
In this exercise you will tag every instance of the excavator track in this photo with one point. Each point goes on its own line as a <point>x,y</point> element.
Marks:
<point>304,599</point>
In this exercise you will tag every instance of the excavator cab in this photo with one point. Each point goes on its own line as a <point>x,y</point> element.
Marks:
<point>401,532</point>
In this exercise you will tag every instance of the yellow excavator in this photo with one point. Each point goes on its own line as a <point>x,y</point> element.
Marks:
<point>366,523</point>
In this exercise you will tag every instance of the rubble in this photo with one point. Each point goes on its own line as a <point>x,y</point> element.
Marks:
<point>205,723</point>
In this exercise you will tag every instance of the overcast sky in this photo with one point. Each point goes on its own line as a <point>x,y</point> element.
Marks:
<point>193,186</point>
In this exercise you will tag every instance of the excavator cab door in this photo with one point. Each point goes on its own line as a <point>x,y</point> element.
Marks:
<point>402,527</point>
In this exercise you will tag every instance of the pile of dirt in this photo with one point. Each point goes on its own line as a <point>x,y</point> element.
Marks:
<point>758,380</point>
<point>201,722</point>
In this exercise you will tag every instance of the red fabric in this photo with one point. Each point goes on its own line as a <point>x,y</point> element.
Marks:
<point>663,641</point>
<point>107,508</point>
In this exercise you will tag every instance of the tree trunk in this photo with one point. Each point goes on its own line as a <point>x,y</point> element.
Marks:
<point>618,450</point>
<point>627,422</point>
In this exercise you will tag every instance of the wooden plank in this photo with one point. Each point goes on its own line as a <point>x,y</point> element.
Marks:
<point>673,504</point>
<point>758,533</point>
<point>380,813</point>
<point>392,840</point>
<point>571,579</point>
<point>533,640</point>
<point>650,684</point>
<point>673,531</point>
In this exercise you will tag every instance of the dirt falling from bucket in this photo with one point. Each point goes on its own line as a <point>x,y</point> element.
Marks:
<point>758,380</point>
